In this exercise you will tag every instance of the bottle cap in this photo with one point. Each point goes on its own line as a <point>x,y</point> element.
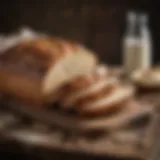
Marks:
<point>143,18</point>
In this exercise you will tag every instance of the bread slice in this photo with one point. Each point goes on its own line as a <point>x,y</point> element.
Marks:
<point>81,83</point>
<point>110,102</point>
<point>34,69</point>
<point>86,93</point>
<point>111,85</point>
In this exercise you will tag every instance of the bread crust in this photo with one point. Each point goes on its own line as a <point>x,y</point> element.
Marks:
<point>38,54</point>
<point>20,86</point>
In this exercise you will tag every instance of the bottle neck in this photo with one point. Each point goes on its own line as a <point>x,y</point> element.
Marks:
<point>131,28</point>
<point>144,25</point>
<point>131,25</point>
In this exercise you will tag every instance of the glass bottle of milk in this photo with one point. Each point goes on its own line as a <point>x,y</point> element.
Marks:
<point>136,43</point>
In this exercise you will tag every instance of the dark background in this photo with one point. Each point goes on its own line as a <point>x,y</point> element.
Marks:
<point>98,24</point>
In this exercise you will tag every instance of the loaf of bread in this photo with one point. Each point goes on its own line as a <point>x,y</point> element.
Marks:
<point>35,69</point>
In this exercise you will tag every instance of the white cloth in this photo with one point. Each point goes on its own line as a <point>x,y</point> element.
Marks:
<point>25,33</point>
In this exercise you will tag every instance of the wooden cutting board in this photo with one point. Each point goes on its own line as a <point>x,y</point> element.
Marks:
<point>122,144</point>
<point>120,119</point>
<point>120,141</point>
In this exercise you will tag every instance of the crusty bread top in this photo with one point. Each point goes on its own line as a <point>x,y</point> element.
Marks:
<point>37,55</point>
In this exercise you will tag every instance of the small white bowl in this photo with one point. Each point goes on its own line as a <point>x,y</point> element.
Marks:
<point>147,78</point>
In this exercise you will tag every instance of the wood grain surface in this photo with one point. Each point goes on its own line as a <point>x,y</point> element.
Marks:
<point>31,133</point>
